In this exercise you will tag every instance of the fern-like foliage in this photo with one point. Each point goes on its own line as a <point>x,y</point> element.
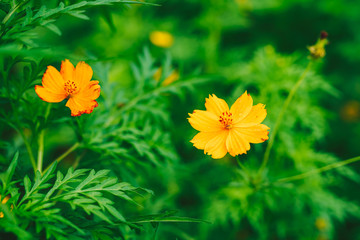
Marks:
<point>137,132</point>
<point>54,207</point>
<point>242,202</point>
<point>19,17</point>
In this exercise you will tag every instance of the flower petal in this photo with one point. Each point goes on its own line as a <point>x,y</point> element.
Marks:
<point>83,74</point>
<point>79,106</point>
<point>90,92</point>
<point>254,134</point>
<point>236,144</point>
<point>241,108</point>
<point>216,105</point>
<point>48,96</point>
<point>204,121</point>
<point>53,81</point>
<point>255,116</point>
<point>216,146</point>
<point>202,138</point>
<point>67,70</point>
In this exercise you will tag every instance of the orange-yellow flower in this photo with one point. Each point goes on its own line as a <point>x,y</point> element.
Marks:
<point>4,201</point>
<point>174,76</point>
<point>72,83</point>
<point>231,130</point>
<point>161,39</point>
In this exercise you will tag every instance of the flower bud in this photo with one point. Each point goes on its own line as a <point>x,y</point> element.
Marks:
<point>318,50</point>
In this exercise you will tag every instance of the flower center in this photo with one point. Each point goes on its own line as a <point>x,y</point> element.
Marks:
<point>70,87</point>
<point>226,119</point>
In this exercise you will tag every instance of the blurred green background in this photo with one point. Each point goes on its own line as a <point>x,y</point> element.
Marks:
<point>259,46</point>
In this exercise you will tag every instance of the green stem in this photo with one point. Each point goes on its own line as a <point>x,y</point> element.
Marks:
<point>27,144</point>
<point>41,150</point>
<point>241,165</point>
<point>41,141</point>
<point>29,150</point>
<point>64,155</point>
<point>8,16</point>
<point>132,103</point>
<point>280,118</point>
<point>318,170</point>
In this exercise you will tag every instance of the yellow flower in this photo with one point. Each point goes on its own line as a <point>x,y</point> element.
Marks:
<point>320,223</point>
<point>161,39</point>
<point>72,83</point>
<point>231,130</point>
<point>174,75</point>
<point>3,202</point>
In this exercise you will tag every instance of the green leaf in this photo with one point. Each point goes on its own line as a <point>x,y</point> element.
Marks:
<point>7,176</point>
<point>27,184</point>
<point>53,28</point>
<point>165,217</point>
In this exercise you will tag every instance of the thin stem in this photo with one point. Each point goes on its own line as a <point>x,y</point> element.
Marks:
<point>13,10</point>
<point>241,165</point>
<point>318,170</point>
<point>41,141</point>
<point>64,155</point>
<point>29,150</point>
<point>280,118</point>
<point>27,144</point>
<point>77,160</point>
<point>132,103</point>
<point>40,150</point>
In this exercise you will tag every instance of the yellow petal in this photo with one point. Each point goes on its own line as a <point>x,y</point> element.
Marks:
<point>79,106</point>
<point>236,144</point>
<point>174,76</point>
<point>255,116</point>
<point>5,199</point>
<point>241,108</point>
<point>202,138</point>
<point>254,134</point>
<point>83,74</point>
<point>48,96</point>
<point>90,92</point>
<point>67,70</point>
<point>204,121</point>
<point>53,81</point>
<point>216,105</point>
<point>161,39</point>
<point>216,146</point>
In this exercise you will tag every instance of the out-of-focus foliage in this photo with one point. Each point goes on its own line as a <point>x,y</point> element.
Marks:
<point>138,136</point>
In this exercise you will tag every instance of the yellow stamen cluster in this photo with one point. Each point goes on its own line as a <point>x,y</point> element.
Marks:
<point>70,87</point>
<point>226,119</point>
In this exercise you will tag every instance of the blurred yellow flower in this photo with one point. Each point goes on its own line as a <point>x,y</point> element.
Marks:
<point>320,223</point>
<point>3,202</point>
<point>231,130</point>
<point>72,83</point>
<point>174,76</point>
<point>161,39</point>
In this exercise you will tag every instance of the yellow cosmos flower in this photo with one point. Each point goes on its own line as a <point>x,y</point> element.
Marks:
<point>231,130</point>
<point>161,39</point>
<point>72,83</point>
<point>174,76</point>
